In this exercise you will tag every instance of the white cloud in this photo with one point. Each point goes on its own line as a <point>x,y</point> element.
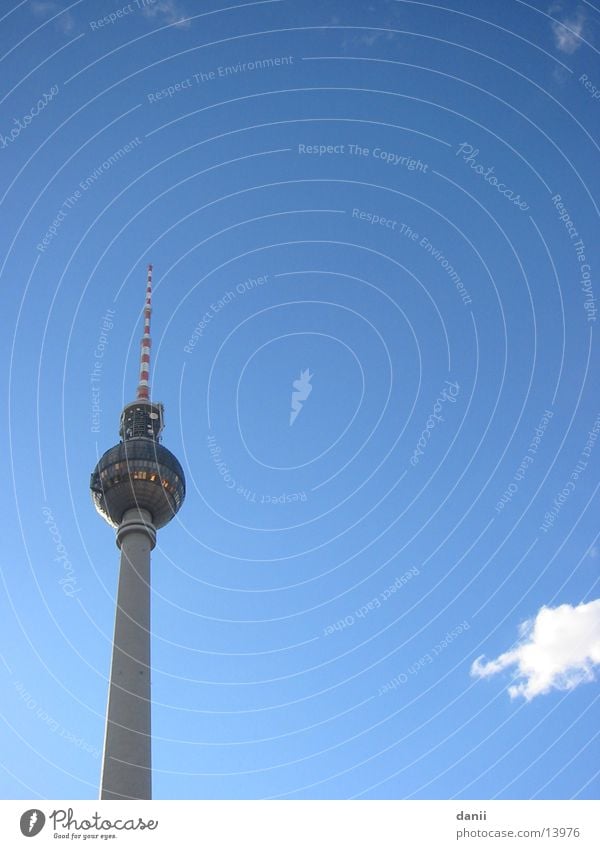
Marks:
<point>559,650</point>
<point>64,22</point>
<point>568,31</point>
<point>385,20</point>
<point>168,10</point>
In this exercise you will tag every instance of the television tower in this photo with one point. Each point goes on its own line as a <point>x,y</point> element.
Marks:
<point>137,487</point>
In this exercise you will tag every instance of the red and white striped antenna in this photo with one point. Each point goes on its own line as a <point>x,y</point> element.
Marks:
<point>143,390</point>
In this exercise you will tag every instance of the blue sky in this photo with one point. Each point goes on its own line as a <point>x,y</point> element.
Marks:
<point>383,218</point>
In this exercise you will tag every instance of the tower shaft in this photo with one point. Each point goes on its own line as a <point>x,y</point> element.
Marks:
<point>126,770</point>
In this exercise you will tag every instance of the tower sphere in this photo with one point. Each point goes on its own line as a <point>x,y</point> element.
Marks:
<point>138,473</point>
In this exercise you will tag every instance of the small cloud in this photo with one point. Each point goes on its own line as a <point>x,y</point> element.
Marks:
<point>370,39</point>
<point>387,17</point>
<point>167,10</point>
<point>64,22</point>
<point>558,650</point>
<point>561,75</point>
<point>568,32</point>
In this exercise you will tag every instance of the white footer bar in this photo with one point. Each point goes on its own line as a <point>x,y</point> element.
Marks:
<point>302,824</point>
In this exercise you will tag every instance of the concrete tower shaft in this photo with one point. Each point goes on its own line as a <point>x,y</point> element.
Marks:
<point>127,756</point>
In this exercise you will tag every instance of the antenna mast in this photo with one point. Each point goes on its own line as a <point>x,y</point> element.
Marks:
<point>143,417</point>
<point>143,390</point>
